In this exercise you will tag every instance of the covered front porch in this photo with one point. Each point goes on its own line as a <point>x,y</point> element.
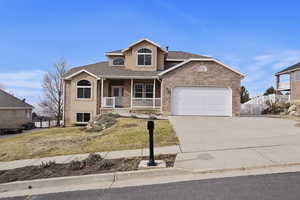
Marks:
<point>130,93</point>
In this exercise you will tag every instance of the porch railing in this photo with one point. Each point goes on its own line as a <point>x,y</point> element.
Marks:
<point>146,102</point>
<point>109,102</point>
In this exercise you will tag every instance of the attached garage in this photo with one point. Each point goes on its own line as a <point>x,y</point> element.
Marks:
<point>206,101</point>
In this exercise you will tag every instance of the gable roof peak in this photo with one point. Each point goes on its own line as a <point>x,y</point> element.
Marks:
<point>142,40</point>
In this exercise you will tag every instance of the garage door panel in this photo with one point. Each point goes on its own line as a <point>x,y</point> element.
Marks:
<point>201,101</point>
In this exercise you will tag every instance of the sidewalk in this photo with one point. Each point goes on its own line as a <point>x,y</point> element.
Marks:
<point>202,161</point>
<point>68,158</point>
<point>239,158</point>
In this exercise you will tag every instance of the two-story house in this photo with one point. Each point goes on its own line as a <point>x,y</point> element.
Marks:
<point>291,86</point>
<point>145,76</point>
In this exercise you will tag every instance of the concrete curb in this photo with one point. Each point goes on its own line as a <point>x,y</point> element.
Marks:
<point>101,180</point>
<point>131,178</point>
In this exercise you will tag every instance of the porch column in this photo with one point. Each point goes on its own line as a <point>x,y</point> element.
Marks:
<point>131,93</point>
<point>154,93</point>
<point>161,95</point>
<point>277,84</point>
<point>102,92</point>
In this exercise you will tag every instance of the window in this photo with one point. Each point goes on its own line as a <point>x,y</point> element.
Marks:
<point>138,91</point>
<point>144,56</point>
<point>142,90</point>
<point>297,75</point>
<point>83,117</point>
<point>84,89</point>
<point>149,90</point>
<point>118,61</point>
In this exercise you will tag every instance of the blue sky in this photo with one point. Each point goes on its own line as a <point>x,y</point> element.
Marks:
<point>257,38</point>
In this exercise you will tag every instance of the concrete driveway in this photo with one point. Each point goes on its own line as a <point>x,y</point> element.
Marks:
<point>217,133</point>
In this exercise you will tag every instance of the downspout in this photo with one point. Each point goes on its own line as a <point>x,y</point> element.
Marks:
<point>161,94</point>
<point>64,105</point>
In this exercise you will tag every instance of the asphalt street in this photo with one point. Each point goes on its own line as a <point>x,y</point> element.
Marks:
<point>263,187</point>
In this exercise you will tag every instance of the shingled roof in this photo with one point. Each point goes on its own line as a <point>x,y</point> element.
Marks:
<point>183,55</point>
<point>103,69</point>
<point>9,101</point>
<point>289,69</point>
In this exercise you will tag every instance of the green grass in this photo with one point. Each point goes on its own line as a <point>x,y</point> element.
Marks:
<point>127,133</point>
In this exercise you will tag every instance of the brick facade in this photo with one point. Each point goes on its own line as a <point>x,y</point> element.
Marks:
<point>215,76</point>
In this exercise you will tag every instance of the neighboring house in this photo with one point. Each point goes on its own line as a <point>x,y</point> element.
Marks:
<point>292,86</point>
<point>145,76</point>
<point>13,112</point>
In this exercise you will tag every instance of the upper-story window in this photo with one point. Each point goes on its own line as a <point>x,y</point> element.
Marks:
<point>84,89</point>
<point>144,56</point>
<point>118,61</point>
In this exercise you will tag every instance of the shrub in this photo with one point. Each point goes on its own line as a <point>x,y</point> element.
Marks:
<point>106,164</point>
<point>76,165</point>
<point>92,159</point>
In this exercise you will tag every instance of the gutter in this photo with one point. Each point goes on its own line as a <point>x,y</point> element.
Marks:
<point>288,71</point>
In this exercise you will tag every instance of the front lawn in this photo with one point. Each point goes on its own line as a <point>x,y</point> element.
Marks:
<point>127,133</point>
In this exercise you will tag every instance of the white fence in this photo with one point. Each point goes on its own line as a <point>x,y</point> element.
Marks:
<point>256,105</point>
<point>46,124</point>
<point>109,102</point>
<point>146,102</point>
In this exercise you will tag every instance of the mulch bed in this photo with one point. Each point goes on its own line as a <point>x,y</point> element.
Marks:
<point>94,164</point>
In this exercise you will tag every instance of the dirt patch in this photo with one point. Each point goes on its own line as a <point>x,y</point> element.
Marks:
<point>94,164</point>
<point>129,125</point>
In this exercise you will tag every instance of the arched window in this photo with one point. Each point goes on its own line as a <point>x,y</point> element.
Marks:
<point>84,89</point>
<point>118,61</point>
<point>144,56</point>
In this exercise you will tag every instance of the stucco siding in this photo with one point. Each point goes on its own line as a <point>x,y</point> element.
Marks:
<point>215,76</point>
<point>131,57</point>
<point>73,104</point>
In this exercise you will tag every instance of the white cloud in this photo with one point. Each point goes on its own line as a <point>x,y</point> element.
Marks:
<point>25,92</point>
<point>27,79</point>
<point>276,60</point>
<point>24,84</point>
<point>260,72</point>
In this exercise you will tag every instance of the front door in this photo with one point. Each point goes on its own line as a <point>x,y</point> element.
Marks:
<point>118,93</point>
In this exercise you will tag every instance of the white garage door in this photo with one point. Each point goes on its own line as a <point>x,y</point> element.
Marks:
<point>207,101</point>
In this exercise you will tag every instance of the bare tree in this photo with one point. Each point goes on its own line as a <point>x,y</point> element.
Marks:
<point>52,104</point>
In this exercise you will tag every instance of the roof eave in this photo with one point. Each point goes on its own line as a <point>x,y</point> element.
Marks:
<point>200,59</point>
<point>287,71</point>
<point>114,54</point>
<point>130,77</point>
<point>16,108</point>
<point>78,72</point>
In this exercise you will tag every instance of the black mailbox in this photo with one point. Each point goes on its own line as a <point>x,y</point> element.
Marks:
<point>150,125</point>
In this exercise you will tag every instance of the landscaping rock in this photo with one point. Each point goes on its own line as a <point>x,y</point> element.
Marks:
<point>292,108</point>
<point>102,122</point>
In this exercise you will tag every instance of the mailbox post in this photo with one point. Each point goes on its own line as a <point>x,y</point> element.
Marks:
<point>150,127</point>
